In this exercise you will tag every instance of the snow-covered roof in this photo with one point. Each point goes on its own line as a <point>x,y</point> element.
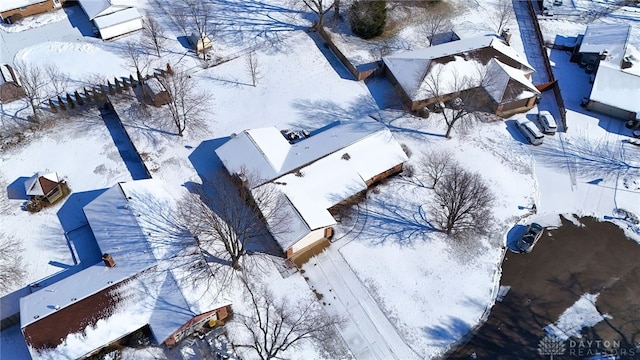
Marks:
<point>41,183</point>
<point>411,68</point>
<point>154,85</point>
<point>265,154</point>
<point>331,166</point>
<point>616,88</point>
<point>135,223</point>
<point>16,4</point>
<point>497,80</point>
<point>117,17</point>
<point>610,37</point>
<point>95,8</point>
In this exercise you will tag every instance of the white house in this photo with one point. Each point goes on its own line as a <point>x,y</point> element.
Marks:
<point>142,280</point>
<point>616,61</point>
<point>313,174</point>
<point>112,18</point>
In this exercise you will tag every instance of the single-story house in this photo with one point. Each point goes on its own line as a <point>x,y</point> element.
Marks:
<point>10,86</point>
<point>44,186</point>
<point>155,93</point>
<point>483,63</point>
<point>606,50</point>
<point>141,280</point>
<point>14,10</point>
<point>112,18</point>
<point>313,174</point>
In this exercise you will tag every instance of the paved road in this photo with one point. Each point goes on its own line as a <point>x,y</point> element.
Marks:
<point>367,331</point>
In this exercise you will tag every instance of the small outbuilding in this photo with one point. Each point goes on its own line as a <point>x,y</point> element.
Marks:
<point>112,18</point>
<point>200,43</point>
<point>45,187</point>
<point>10,86</point>
<point>155,93</point>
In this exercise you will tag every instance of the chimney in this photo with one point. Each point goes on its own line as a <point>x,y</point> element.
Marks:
<point>506,35</point>
<point>108,260</point>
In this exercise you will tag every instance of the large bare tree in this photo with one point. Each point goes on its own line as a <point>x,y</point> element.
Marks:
<point>34,83</point>
<point>11,270</point>
<point>253,68</point>
<point>153,35</point>
<point>462,203</point>
<point>229,219</point>
<point>189,104</point>
<point>275,325</point>
<point>502,14</point>
<point>58,80</point>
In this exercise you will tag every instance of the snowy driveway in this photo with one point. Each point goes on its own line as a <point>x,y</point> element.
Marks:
<point>367,331</point>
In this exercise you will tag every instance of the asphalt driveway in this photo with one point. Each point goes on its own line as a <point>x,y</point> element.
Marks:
<point>565,264</point>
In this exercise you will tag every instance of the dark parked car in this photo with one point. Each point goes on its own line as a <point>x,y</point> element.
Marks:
<point>530,238</point>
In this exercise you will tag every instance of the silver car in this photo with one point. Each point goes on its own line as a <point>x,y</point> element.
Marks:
<point>530,131</point>
<point>530,238</point>
<point>548,123</point>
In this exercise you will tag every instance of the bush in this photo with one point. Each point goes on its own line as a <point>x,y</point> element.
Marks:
<point>368,18</point>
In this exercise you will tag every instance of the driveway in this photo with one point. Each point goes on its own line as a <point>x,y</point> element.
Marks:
<point>367,331</point>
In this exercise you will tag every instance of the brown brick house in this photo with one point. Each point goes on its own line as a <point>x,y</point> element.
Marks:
<point>484,63</point>
<point>13,10</point>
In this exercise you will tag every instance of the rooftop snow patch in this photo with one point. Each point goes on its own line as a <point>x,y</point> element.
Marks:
<point>616,88</point>
<point>95,8</point>
<point>118,17</point>
<point>41,183</point>
<point>610,37</point>
<point>266,155</point>
<point>496,83</point>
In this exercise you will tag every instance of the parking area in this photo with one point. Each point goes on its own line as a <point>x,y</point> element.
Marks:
<point>565,264</point>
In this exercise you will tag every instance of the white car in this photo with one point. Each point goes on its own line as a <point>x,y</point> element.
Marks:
<point>530,131</point>
<point>548,123</point>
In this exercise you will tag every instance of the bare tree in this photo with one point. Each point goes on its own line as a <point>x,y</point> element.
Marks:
<point>11,270</point>
<point>276,325</point>
<point>181,19</point>
<point>253,68</point>
<point>199,14</point>
<point>503,13</point>
<point>153,34</point>
<point>228,218</point>
<point>320,8</point>
<point>58,80</point>
<point>435,163</point>
<point>188,103</point>
<point>462,203</point>
<point>136,58</point>
<point>455,95</point>
<point>435,22</point>
<point>34,83</point>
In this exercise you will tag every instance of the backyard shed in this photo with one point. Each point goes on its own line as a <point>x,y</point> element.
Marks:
<point>44,186</point>
<point>112,18</point>
<point>155,93</point>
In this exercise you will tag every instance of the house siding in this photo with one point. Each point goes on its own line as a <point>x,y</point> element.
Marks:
<point>42,7</point>
<point>196,323</point>
<point>610,110</point>
<point>394,170</point>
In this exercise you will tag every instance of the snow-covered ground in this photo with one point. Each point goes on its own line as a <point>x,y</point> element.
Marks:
<point>405,289</point>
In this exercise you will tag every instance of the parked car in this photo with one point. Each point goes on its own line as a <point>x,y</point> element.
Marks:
<point>530,131</point>
<point>548,123</point>
<point>530,238</point>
